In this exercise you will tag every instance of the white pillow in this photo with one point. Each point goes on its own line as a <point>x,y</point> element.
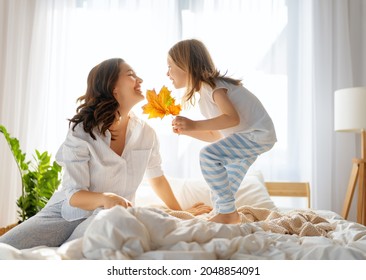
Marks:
<point>252,191</point>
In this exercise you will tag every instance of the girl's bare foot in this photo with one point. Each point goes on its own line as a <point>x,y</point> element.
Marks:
<point>230,218</point>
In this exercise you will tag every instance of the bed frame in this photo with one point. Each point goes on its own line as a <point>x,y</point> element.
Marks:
<point>293,189</point>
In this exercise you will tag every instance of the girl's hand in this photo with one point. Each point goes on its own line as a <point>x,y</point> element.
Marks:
<point>181,124</point>
<point>110,200</point>
<point>199,209</point>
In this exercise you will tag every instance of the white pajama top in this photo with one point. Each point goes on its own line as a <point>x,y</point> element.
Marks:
<point>254,119</point>
<point>89,164</point>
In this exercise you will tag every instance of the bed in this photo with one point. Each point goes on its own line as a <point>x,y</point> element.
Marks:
<point>268,230</point>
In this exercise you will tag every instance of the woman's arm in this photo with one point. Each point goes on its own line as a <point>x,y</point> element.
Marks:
<point>162,188</point>
<point>89,201</point>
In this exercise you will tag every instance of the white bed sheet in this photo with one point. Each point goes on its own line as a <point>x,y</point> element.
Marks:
<point>150,233</point>
<point>145,233</point>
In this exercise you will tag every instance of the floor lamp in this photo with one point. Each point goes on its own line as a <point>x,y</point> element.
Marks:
<point>350,116</point>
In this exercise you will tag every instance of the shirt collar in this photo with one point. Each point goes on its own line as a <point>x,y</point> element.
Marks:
<point>133,123</point>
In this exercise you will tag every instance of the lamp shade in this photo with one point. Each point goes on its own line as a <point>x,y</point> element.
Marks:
<point>350,109</point>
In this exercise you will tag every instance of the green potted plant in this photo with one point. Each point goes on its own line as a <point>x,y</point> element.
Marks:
<point>40,178</point>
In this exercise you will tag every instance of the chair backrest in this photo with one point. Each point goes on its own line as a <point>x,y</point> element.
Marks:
<point>290,189</point>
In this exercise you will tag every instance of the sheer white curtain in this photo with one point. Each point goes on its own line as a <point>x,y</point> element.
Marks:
<point>339,61</point>
<point>326,52</point>
<point>30,73</point>
<point>291,54</point>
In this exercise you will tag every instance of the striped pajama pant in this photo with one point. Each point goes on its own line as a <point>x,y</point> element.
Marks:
<point>224,165</point>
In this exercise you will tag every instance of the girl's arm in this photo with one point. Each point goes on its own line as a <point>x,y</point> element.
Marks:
<point>228,118</point>
<point>207,136</point>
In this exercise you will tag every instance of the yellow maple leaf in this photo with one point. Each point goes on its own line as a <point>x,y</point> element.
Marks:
<point>161,104</point>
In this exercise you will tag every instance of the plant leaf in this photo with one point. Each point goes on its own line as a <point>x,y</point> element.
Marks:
<point>161,104</point>
<point>40,178</point>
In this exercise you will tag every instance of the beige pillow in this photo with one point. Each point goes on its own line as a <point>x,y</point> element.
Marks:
<point>252,191</point>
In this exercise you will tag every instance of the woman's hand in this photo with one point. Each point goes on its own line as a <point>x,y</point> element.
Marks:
<point>182,124</point>
<point>199,209</point>
<point>110,200</point>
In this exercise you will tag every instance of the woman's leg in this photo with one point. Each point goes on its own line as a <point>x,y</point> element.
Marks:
<point>80,229</point>
<point>46,228</point>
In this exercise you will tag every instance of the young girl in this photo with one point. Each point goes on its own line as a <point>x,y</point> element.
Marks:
<point>237,124</point>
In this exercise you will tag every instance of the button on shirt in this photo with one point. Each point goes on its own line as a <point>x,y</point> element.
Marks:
<point>92,165</point>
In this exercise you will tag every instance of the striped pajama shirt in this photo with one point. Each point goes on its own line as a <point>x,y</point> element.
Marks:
<point>224,165</point>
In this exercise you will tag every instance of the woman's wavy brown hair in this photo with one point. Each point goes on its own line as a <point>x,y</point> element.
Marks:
<point>99,107</point>
<point>192,56</point>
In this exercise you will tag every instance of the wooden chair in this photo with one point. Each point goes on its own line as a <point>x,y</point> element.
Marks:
<point>289,189</point>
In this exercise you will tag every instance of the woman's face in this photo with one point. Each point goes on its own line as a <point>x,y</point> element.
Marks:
<point>128,87</point>
<point>178,76</point>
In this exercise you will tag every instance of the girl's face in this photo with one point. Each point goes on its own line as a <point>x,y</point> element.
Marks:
<point>128,87</point>
<point>178,76</point>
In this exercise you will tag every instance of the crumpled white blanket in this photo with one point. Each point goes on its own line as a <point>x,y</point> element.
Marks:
<point>150,233</point>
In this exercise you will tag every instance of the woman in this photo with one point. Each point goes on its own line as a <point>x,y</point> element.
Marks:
<point>105,156</point>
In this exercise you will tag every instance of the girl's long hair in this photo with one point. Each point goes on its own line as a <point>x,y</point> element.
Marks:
<point>192,56</point>
<point>99,107</point>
